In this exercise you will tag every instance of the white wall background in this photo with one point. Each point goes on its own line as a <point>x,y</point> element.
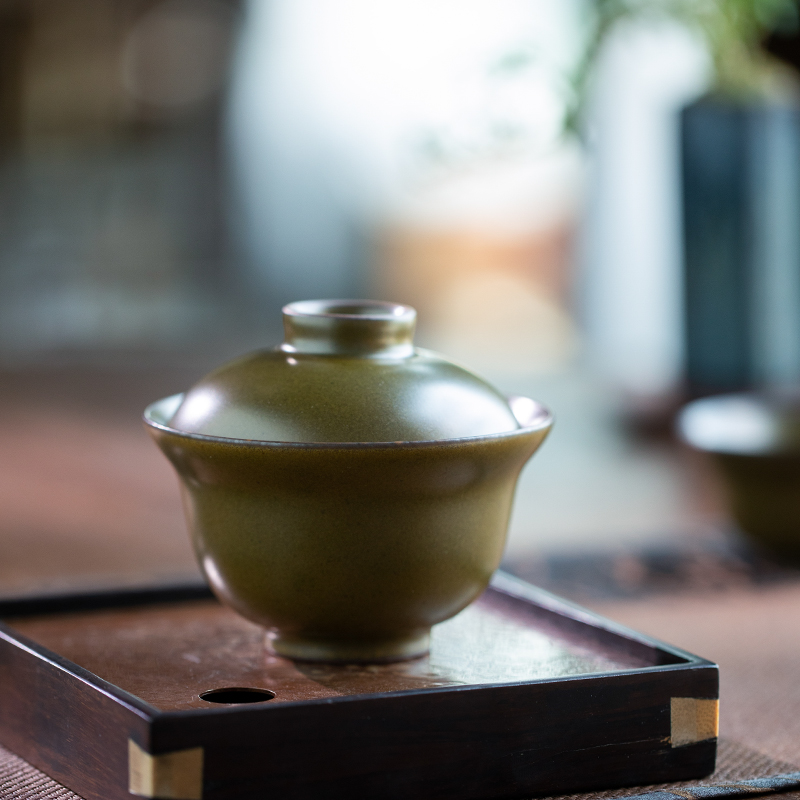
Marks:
<point>339,108</point>
<point>632,256</point>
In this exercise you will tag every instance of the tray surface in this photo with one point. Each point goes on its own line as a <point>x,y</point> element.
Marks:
<point>522,693</point>
<point>168,655</point>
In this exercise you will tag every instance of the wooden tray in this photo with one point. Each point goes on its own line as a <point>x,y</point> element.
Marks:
<point>522,694</point>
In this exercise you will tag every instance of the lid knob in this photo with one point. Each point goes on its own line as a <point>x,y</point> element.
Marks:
<point>366,328</point>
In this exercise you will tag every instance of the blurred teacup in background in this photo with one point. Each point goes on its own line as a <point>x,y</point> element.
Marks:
<point>755,441</point>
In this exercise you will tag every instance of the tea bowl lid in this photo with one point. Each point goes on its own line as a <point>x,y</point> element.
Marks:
<point>347,371</point>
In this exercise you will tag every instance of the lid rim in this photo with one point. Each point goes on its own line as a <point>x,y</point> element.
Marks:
<point>296,309</point>
<point>542,424</point>
<point>349,327</point>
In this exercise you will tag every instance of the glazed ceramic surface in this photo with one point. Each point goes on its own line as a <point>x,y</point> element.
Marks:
<point>347,372</point>
<point>349,549</point>
<point>755,442</point>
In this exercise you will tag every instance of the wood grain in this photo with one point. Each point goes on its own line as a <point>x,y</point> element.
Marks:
<point>523,694</point>
<point>169,655</point>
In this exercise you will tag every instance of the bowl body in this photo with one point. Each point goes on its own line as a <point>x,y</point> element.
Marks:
<point>348,551</point>
<point>754,439</point>
<point>764,496</point>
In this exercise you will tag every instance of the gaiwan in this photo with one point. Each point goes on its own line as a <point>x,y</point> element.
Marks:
<point>345,489</point>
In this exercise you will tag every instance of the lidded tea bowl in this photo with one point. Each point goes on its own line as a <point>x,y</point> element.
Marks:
<point>347,490</point>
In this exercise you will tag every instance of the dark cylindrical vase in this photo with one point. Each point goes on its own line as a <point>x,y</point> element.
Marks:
<point>741,215</point>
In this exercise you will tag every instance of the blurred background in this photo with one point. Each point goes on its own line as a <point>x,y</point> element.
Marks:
<point>593,202</point>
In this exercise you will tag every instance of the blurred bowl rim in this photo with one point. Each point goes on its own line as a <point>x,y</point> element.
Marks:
<point>742,423</point>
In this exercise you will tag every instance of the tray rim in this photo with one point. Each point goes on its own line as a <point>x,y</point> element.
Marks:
<point>502,583</point>
<point>509,584</point>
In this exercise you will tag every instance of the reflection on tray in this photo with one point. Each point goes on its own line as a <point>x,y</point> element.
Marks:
<point>168,655</point>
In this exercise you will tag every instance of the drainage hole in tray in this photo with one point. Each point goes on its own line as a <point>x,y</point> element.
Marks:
<point>236,695</point>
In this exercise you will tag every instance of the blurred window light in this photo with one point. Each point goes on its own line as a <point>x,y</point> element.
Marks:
<point>113,232</point>
<point>391,74</point>
<point>176,55</point>
<point>348,116</point>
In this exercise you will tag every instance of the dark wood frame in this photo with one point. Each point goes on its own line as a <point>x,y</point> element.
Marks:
<point>485,741</point>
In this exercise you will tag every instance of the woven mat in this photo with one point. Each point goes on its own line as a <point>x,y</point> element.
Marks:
<point>20,781</point>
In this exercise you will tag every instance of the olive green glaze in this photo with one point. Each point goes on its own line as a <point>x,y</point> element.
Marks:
<point>755,442</point>
<point>347,372</point>
<point>764,496</point>
<point>346,490</point>
<point>348,551</point>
